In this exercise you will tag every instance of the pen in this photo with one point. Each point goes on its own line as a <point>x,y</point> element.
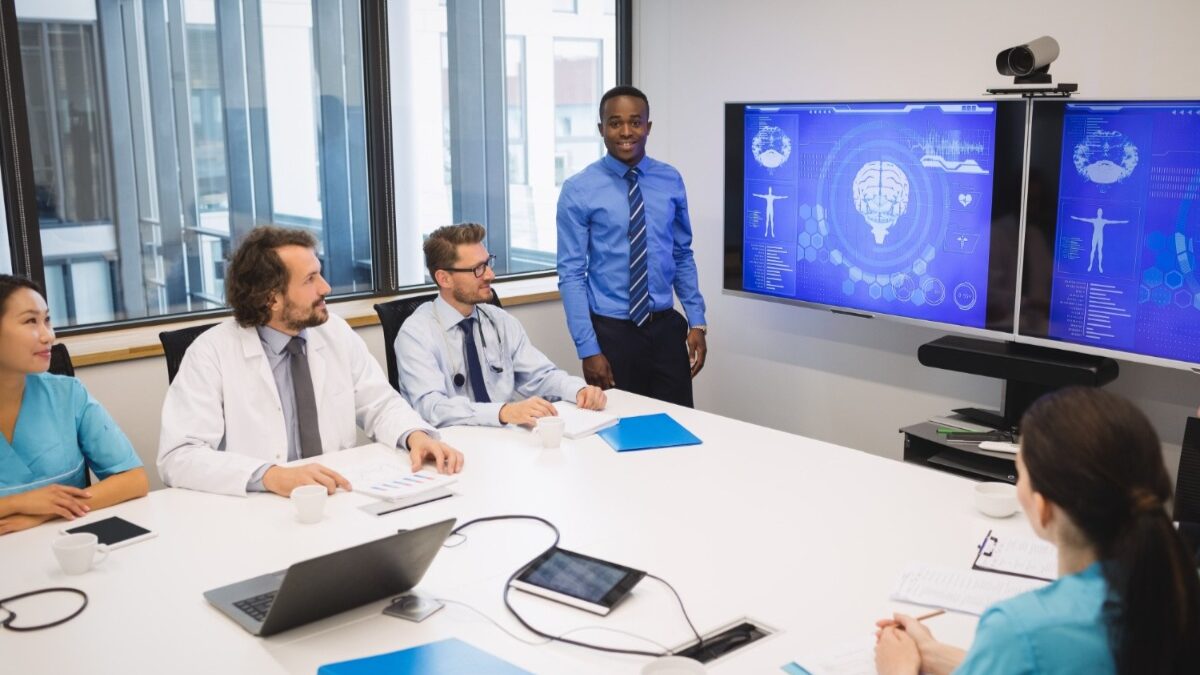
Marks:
<point>928,615</point>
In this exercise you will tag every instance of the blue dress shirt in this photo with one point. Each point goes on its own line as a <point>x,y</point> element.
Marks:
<point>1054,630</point>
<point>593,246</point>
<point>61,432</point>
<point>429,353</point>
<point>280,361</point>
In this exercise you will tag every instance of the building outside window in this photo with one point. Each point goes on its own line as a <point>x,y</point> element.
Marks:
<point>161,131</point>
<point>147,168</point>
<point>555,63</point>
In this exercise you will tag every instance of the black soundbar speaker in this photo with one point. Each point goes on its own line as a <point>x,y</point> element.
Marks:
<point>1028,371</point>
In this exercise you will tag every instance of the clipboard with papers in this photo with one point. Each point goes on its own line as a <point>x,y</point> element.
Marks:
<point>1017,556</point>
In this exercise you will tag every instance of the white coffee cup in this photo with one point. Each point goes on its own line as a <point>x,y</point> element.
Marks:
<point>76,552</point>
<point>310,502</point>
<point>550,429</point>
<point>998,500</point>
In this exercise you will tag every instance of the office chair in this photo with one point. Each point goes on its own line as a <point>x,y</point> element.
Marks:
<point>60,361</point>
<point>60,364</point>
<point>392,316</point>
<point>175,344</point>
<point>1187,485</point>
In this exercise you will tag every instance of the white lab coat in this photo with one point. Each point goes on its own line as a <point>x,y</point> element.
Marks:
<point>222,418</point>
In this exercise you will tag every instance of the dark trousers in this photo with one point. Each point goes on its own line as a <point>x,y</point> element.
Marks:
<point>651,360</point>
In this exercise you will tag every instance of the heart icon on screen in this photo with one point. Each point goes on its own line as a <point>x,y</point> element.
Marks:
<point>965,199</point>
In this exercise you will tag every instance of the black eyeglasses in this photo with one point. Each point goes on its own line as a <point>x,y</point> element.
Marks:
<point>477,270</point>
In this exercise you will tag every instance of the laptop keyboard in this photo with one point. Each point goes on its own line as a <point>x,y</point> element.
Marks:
<point>258,606</point>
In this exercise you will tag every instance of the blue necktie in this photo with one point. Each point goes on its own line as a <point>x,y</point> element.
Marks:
<point>474,371</point>
<point>639,263</point>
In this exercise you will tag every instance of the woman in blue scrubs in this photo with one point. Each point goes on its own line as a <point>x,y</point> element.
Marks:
<point>1092,482</point>
<point>51,430</point>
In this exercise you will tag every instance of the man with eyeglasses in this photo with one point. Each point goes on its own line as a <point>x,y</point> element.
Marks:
<point>464,361</point>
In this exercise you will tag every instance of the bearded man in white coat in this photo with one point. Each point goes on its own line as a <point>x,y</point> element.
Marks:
<point>281,380</point>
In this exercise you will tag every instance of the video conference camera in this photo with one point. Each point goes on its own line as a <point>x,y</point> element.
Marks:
<point>1029,63</point>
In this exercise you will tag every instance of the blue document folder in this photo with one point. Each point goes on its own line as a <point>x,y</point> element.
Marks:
<point>646,432</point>
<point>445,657</point>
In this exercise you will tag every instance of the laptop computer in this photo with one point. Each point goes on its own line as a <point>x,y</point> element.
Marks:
<point>332,583</point>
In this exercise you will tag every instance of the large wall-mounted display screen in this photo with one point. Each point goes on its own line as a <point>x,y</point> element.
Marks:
<point>905,209</point>
<point>1112,225</point>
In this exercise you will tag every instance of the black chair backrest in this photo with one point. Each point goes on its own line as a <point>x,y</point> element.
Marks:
<point>60,364</point>
<point>1187,482</point>
<point>392,316</point>
<point>60,361</point>
<point>175,344</point>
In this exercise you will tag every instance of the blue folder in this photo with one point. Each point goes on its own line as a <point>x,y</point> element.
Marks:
<point>646,432</point>
<point>445,657</point>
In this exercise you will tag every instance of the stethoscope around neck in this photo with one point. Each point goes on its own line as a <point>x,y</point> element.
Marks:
<point>460,380</point>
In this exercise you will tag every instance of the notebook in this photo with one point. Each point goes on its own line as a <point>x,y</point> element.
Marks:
<point>646,432</point>
<point>582,423</point>
<point>445,657</point>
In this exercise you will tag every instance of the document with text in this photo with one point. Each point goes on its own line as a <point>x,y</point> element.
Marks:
<point>1017,556</point>
<point>969,591</point>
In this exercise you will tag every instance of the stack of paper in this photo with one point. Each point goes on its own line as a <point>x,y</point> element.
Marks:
<point>960,590</point>
<point>581,423</point>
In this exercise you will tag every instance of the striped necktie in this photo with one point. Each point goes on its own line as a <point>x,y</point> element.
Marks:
<point>639,264</point>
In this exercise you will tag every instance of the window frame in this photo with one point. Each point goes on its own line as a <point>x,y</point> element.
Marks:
<point>20,205</point>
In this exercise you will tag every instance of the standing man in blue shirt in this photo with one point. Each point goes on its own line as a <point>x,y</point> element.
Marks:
<point>624,251</point>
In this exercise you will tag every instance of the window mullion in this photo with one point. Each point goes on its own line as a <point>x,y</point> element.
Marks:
<point>238,146</point>
<point>170,199</point>
<point>478,139</point>
<point>20,202</point>
<point>132,296</point>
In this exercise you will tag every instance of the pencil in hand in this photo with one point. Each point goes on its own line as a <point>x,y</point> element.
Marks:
<point>887,623</point>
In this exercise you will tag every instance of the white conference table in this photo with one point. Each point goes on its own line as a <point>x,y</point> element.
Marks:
<point>803,536</point>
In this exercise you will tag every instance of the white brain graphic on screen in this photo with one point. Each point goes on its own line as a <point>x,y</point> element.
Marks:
<point>1105,157</point>
<point>771,147</point>
<point>881,196</point>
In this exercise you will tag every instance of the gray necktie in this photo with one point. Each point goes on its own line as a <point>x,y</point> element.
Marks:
<point>306,402</point>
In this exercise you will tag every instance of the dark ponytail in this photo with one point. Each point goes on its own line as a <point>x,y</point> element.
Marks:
<point>1095,455</point>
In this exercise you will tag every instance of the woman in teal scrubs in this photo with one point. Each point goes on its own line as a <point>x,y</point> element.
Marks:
<point>1092,482</point>
<point>51,430</point>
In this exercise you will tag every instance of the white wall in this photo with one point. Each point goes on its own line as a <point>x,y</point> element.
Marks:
<point>133,391</point>
<point>846,380</point>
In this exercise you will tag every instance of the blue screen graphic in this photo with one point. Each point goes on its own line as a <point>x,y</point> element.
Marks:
<point>884,207</point>
<point>1127,226</point>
